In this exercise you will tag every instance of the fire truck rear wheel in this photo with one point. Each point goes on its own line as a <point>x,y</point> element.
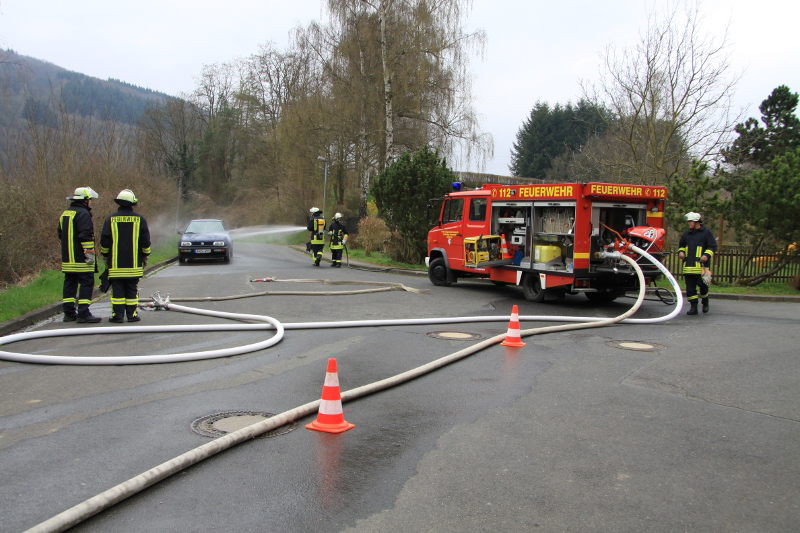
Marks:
<point>531,289</point>
<point>437,272</point>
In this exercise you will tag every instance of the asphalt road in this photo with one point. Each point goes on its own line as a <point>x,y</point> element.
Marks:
<point>570,433</point>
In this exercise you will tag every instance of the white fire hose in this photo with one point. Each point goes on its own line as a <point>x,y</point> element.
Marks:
<point>126,489</point>
<point>269,323</point>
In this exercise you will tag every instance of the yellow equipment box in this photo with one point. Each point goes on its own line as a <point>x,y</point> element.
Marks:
<point>543,253</point>
<point>481,249</point>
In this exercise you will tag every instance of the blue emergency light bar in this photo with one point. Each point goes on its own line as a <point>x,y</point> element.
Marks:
<point>457,185</point>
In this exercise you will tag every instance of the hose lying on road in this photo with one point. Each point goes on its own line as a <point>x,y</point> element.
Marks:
<point>384,287</point>
<point>268,323</point>
<point>110,497</point>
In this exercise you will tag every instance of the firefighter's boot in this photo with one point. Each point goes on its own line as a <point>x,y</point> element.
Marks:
<point>692,308</point>
<point>705,305</point>
<point>70,314</point>
<point>133,313</point>
<point>117,310</point>
<point>87,318</point>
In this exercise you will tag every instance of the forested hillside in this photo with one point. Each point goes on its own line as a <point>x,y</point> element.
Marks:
<point>38,90</point>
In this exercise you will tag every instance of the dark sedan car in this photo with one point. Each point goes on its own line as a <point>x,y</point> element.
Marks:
<point>205,239</point>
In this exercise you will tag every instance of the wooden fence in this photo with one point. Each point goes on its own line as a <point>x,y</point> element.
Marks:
<point>728,261</point>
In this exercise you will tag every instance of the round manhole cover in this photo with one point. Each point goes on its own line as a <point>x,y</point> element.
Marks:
<point>638,346</point>
<point>454,335</point>
<point>220,424</point>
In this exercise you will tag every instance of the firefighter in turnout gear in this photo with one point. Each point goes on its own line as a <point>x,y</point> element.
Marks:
<point>696,249</point>
<point>76,232</point>
<point>338,233</point>
<point>125,244</point>
<point>316,225</point>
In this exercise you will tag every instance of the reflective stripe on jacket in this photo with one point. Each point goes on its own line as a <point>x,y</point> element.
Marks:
<point>125,241</point>
<point>76,232</point>
<point>695,243</point>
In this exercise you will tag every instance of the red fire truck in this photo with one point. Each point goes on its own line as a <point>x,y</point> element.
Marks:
<point>547,238</point>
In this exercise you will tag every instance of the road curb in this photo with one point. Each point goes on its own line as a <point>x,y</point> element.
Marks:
<point>32,317</point>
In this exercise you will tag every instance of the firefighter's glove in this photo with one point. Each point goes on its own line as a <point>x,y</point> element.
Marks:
<point>105,283</point>
<point>89,256</point>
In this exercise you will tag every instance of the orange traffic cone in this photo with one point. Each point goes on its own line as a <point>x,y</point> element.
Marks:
<point>330,417</point>
<point>512,336</point>
<point>504,247</point>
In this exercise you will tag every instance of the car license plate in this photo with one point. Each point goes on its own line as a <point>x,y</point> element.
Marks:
<point>202,251</point>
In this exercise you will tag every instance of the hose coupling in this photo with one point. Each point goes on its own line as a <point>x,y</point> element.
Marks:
<point>159,301</point>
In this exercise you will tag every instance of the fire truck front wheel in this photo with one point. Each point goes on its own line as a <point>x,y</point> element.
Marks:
<point>531,289</point>
<point>437,273</point>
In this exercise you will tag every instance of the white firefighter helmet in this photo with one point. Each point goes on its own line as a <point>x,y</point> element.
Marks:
<point>691,216</point>
<point>337,216</point>
<point>314,210</point>
<point>126,195</point>
<point>84,193</point>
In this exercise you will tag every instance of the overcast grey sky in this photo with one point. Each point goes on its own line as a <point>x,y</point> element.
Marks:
<point>536,50</point>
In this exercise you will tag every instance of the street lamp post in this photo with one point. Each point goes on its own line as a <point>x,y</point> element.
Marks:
<point>178,205</point>
<point>324,183</point>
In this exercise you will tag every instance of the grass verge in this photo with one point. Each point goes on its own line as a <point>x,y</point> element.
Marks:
<point>379,258</point>
<point>46,288</point>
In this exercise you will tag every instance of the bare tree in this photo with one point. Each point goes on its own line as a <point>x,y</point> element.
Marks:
<point>419,71</point>
<point>168,144</point>
<point>274,80</point>
<point>670,99</point>
<point>215,90</point>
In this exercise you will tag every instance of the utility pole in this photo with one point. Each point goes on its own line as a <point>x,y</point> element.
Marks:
<point>178,205</point>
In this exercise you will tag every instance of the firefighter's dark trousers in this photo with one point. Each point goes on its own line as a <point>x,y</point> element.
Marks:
<point>78,284</point>
<point>124,297</point>
<point>316,252</point>
<point>693,283</point>
<point>336,256</point>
